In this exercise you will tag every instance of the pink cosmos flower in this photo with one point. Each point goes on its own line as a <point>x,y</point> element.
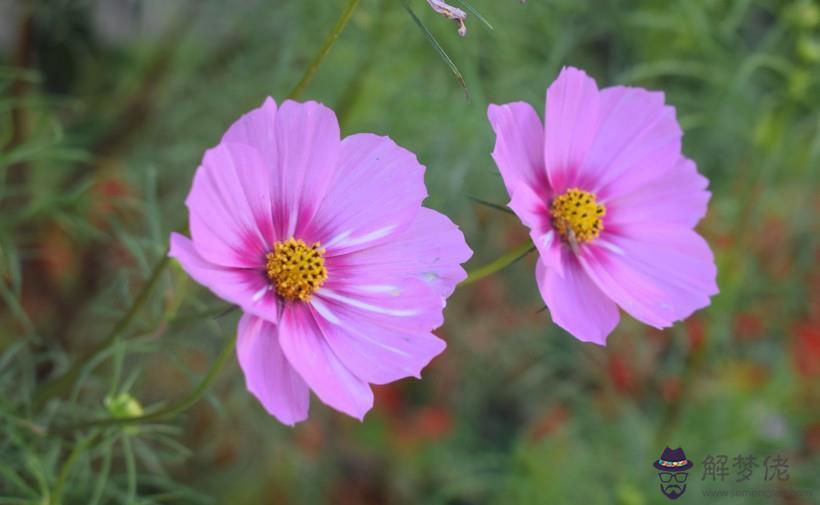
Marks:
<point>341,273</point>
<point>611,204</point>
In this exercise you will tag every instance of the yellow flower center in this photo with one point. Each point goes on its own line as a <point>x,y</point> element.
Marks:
<point>296,269</point>
<point>577,216</point>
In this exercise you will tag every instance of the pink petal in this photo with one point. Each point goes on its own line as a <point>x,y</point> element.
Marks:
<point>431,249</point>
<point>307,152</point>
<point>519,146</point>
<point>309,353</point>
<point>575,302</point>
<point>659,274</point>
<point>638,139</point>
<point>376,352</point>
<point>572,115</point>
<point>375,192</point>
<point>676,197</point>
<point>230,207</point>
<point>248,288</point>
<point>534,213</point>
<point>392,302</point>
<point>268,375</point>
<point>379,327</point>
<point>257,129</point>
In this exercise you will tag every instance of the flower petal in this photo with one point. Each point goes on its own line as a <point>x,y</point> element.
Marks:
<point>519,146</point>
<point>638,139</point>
<point>307,153</point>
<point>534,213</point>
<point>570,126</point>
<point>257,129</point>
<point>309,353</point>
<point>677,197</point>
<point>268,375</point>
<point>379,327</point>
<point>374,351</point>
<point>230,207</point>
<point>575,303</point>
<point>404,303</point>
<point>659,275</point>
<point>375,192</point>
<point>248,288</point>
<point>431,249</point>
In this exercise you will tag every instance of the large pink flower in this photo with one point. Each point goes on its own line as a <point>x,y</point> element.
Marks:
<point>611,204</point>
<point>341,273</point>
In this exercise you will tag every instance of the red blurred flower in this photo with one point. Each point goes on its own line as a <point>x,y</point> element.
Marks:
<point>622,373</point>
<point>696,331</point>
<point>107,196</point>
<point>549,422</point>
<point>806,350</point>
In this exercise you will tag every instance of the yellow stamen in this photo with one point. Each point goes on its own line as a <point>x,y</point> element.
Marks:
<point>296,269</point>
<point>577,216</point>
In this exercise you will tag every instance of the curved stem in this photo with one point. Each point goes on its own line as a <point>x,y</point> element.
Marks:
<point>499,264</point>
<point>173,409</point>
<point>330,40</point>
<point>62,478</point>
<point>59,385</point>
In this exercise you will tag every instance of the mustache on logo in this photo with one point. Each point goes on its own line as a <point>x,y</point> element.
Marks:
<point>673,491</point>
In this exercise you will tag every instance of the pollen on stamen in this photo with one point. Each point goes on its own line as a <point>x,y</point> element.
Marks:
<point>577,215</point>
<point>296,269</point>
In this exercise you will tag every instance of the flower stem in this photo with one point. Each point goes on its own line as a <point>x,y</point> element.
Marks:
<point>330,40</point>
<point>171,410</point>
<point>62,478</point>
<point>61,384</point>
<point>499,264</point>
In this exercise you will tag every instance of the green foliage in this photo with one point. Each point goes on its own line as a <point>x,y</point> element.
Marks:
<point>105,116</point>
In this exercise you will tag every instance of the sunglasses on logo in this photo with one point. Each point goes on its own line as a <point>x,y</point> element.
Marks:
<point>679,477</point>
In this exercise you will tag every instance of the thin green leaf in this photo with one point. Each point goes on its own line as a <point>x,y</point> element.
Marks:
<point>491,205</point>
<point>11,477</point>
<point>501,263</point>
<point>102,475</point>
<point>130,468</point>
<point>475,12</point>
<point>440,50</point>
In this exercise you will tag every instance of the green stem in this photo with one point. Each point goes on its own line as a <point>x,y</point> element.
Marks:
<point>173,409</point>
<point>61,384</point>
<point>499,264</point>
<point>330,40</point>
<point>672,412</point>
<point>62,478</point>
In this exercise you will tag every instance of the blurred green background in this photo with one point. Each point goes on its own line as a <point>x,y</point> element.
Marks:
<point>106,109</point>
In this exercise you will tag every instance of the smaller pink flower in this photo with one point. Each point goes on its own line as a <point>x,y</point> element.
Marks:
<point>452,13</point>
<point>322,241</point>
<point>611,204</point>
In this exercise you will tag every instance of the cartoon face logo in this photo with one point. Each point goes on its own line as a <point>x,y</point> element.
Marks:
<point>674,470</point>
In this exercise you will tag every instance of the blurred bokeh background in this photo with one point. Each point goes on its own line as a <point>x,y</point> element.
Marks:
<point>106,107</point>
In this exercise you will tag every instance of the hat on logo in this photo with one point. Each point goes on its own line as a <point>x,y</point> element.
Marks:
<point>673,460</point>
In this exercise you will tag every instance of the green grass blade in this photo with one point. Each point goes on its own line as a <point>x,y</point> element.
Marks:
<point>491,205</point>
<point>475,12</point>
<point>440,50</point>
